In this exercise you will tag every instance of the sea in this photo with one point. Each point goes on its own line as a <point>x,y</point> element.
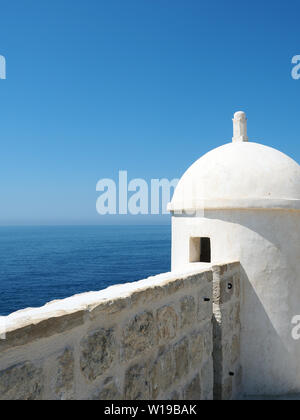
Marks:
<point>43,263</point>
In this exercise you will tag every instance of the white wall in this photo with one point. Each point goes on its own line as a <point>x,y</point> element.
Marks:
<point>267,243</point>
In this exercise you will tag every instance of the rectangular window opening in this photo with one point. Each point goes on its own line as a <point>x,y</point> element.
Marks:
<point>200,250</point>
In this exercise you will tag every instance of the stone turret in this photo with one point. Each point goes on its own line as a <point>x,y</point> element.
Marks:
<point>241,202</point>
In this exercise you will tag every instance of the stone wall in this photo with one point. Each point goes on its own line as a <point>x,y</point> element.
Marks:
<point>226,330</point>
<point>151,339</point>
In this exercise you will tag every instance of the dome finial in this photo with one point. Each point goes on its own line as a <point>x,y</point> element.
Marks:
<point>239,127</point>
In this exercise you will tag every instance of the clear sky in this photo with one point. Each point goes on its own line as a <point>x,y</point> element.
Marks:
<point>147,86</point>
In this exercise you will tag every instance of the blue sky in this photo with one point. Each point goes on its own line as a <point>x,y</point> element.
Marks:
<point>147,86</point>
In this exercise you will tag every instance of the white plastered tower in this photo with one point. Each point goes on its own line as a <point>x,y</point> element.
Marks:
<point>241,202</point>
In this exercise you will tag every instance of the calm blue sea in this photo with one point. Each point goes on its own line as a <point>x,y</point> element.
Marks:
<point>39,264</point>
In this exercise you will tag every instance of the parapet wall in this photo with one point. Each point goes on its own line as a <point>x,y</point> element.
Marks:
<point>152,339</point>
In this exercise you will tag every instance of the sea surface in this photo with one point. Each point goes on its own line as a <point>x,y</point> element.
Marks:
<point>40,264</point>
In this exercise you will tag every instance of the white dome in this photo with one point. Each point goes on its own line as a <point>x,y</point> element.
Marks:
<point>239,175</point>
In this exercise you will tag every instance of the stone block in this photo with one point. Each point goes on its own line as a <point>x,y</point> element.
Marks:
<point>167,323</point>
<point>207,335</point>
<point>227,389</point>
<point>181,353</point>
<point>187,311</point>
<point>109,307</point>
<point>226,290</point>
<point>205,304</point>
<point>64,377</point>
<point>207,380</point>
<point>174,396</point>
<point>235,348</point>
<point>192,391</point>
<point>23,381</point>
<point>139,335</point>
<point>162,373</point>
<point>174,286</point>
<point>196,349</point>
<point>109,391</point>
<point>98,351</point>
<point>236,282</point>
<point>136,383</point>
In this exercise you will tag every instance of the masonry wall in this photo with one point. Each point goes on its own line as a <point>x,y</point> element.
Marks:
<point>226,333</point>
<point>152,339</point>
